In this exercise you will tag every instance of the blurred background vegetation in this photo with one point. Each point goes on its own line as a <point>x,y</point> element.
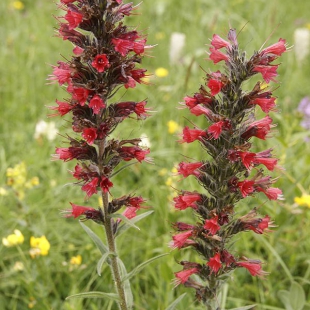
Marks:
<point>34,191</point>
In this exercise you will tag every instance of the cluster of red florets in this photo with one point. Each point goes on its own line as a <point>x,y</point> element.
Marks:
<point>234,172</point>
<point>105,57</point>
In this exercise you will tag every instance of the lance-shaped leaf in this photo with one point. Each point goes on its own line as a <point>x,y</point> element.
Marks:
<point>94,295</point>
<point>102,260</point>
<point>136,219</point>
<point>176,302</point>
<point>102,248</point>
<point>141,266</point>
<point>126,284</point>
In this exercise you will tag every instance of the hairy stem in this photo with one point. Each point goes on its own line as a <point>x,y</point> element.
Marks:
<point>112,248</point>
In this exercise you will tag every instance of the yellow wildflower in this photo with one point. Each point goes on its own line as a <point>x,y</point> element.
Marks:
<point>13,239</point>
<point>161,72</point>
<point>32,302</point>
<point>32,182</point>
<point>18,5</point>
<point>163,172</point>
<point>39,246</point>
<point>76,260</point>
<point>169,181</point>
<point>173,127</point>
<point>3,191</point>
<point>303,200</point>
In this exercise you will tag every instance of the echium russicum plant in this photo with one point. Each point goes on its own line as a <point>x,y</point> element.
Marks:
<point>231,170</point>
<point>106,55</point>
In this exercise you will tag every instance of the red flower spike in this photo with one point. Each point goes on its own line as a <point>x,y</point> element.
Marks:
<point>100,63</point>
<point>80,94</point>
<point>216,129</point>
<point>215,263</point>
<point>215,86</point>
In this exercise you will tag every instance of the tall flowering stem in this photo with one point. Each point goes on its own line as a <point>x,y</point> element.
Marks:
<point>105,58</point>
<point>230,171</point>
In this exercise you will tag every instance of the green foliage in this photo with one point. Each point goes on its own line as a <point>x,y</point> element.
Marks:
<point>28,46</point>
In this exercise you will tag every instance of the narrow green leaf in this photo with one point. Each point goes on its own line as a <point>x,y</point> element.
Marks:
<point>136,219</point>
<point>284,296</point>
<point>126,284</point>
<point>125,219</point>
<point>102,260</point>
<point>94,295</point>
<point>102,248</point>
<point>297,296</point>
<point>176,302</point>
<point>244,308</point>
<point>141,266</point>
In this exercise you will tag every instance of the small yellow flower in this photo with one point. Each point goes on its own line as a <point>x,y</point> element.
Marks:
<point>303,200</point>
<point>31,303</point>
<point>39,246</point>
<point>3,191</point>
<point>173,127</point>
<point>18,5</point>
<point>163,172</point>
<point>32,182</point>
<point>160,35</point>
<point>76,260</point>
<point>13,239</point>
<point>18,266</point>
<point>161,72</point>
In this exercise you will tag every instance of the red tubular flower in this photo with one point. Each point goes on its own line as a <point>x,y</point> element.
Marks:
<point>218,42</point>
<point>62,73</point>
<point>200,110</point>
<point>266,104</point>
<point>101,62</point>
<point>190,135</point>
<point>277,49</point>
<point>91,187</point>
<point>140,109</point>
<point>259,129</point>
<point>182,240</point>
<point>272,193</point>
<point>186,200</point>
<point>90,135</point>
<point>217,56</point>
<point>215,86</point>
<point>183,275</point>
<point>268,72</point>
<point>63,108</point>
<point>73,18</point>
<point>215,263</point>
<point>258,225</point>
<point>80,94</point>
<point>105,184</point>
<point>216,129</point>
<point>253,266</point>
<point>123,46</point>
<point>187,169</point>
<point>77,211</point>
<point>130,152</point>
<point>246,187</point>
<point>97,104</point>
<point>212,225</point>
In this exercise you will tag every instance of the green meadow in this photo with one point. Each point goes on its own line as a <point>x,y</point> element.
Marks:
<point>29,46</point>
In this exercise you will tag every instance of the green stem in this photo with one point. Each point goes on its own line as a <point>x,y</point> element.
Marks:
<point>112,248</point>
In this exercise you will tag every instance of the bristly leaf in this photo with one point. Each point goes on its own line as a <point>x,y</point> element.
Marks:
<point>176,302</point>
<point>102,248</point>
<point>141,266</point>
<point>297,296</point>
<point>244,308</point>
<point>94,295</point>
<point>126,284</point>
<point>102,260</point>
<point>136,219</point>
